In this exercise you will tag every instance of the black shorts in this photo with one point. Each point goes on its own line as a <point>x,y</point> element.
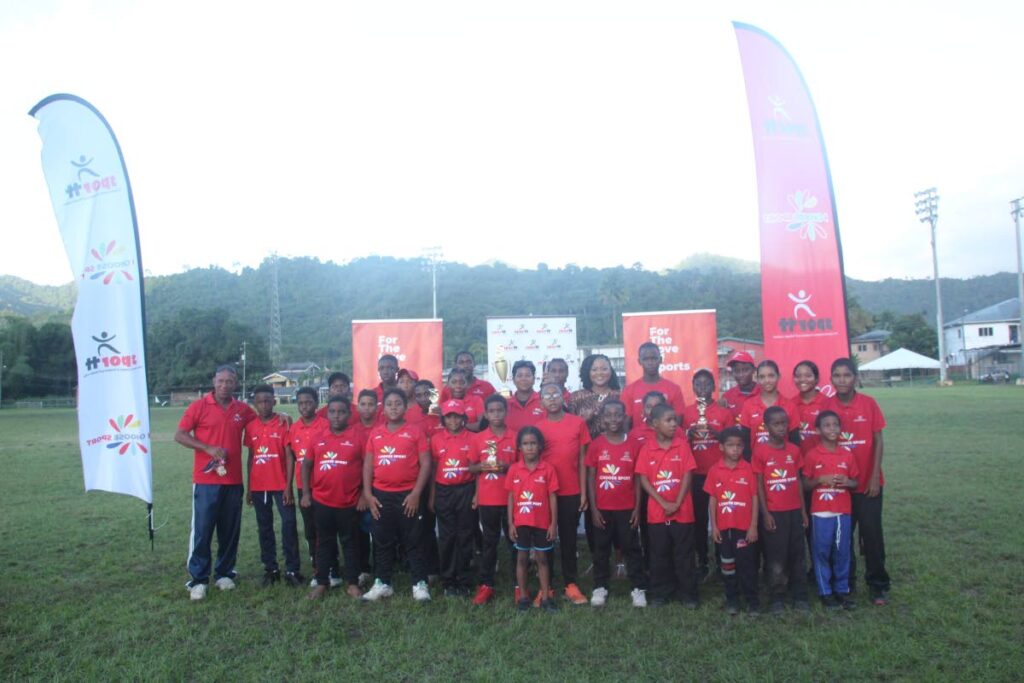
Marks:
<point>532,538</point>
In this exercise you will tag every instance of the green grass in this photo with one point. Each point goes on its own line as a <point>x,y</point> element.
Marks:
<point>82,596</point>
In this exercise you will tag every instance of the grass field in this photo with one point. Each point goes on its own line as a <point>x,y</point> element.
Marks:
<point>82,596</point>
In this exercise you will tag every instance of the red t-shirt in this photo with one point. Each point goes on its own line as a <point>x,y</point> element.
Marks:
<point>707,450</point>
<point>490,486</point>
<point>211,424</point>
<point>859,420</point>
<point>613,465</point>
<point>520,416</point>
<point>480,388</point>
<point>733,490</point>
<point>752,417</point>
<point>641,433</point>
<point>734,398</point>
<point>780,468</point>
<point>562,442</point>
<point>396,456</point>
<point>807,413</point>
<point>665,469</point>
<point>302,437</point>
<point>338,468</point>
<point>430,424</point>
<point>530,491</point>
<point>633,397</point>
<point>821,462</point>
<point>451,454</point>
<point>269,464</point>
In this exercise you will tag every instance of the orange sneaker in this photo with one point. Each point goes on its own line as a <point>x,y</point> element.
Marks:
<point>540,596</point>
<point>574,595</point>
<point>483,595</point>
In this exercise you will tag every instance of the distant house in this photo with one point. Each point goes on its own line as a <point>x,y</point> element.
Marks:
<point>292,376</point>
<point>870,345</point>
<point>730,345</point>
<point>985,341</point>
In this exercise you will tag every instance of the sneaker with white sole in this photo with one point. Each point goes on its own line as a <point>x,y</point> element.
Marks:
<point>377,591</point>
<point>639,596</point>
<point>599,597</point>
<point>225,583</point>
<point>421,592</point>
<point>364,579</point>
<point>337,582</point>
<point>197,591</point>
<point>313,583</point>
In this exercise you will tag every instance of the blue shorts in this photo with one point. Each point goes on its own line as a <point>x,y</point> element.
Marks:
<point>532,538</point>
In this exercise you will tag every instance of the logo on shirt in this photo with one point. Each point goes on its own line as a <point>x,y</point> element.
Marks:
<point>387,456</point>
<point>329,461</point>
<point>263,455</point>
<point>729,503</point>
<point>608,481</point>
<point>664,481</point>
<point>827,494</point>
<point>778,480</point>
<point>127,435</point>
<point>452,468</point>
<point>527,503</point>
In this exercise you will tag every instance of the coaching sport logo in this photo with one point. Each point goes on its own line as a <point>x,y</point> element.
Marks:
<point>127,435</point>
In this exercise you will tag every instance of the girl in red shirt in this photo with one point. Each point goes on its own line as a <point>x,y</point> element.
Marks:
<point>752,415</point>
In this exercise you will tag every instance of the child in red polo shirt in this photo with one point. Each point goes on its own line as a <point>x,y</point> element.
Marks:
<point>474,405</point>
<point>532,514</point>
<point>830,472</point>
<point>752,415</point>
<point>494,451</point>
<point>270,484</point>
<point>732,490</point>
<point>302,436</point>
<point>783,515</point>
<point>395,472</point>
<point>615,503</point>
<point>565,448</point>
<point>665,469</point>
<point>423,395</point>
<point>649,357</point>
<point>332,489</point>
<point>451,498</point>
<point>741,365</point>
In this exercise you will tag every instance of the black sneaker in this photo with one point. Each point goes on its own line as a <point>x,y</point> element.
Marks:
<point>830,602</point>
<point>778,608</point>
<point>845,602</point>
<point>524,604</point>
<point>271,577</point>
<point>294,579</point>
<point>732,608</point>
<point>548,605</point>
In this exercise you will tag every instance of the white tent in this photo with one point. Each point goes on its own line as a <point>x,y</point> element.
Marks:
<point>901,359</point>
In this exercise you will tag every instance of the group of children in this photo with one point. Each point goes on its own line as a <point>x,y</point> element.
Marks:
<point>762,474</point>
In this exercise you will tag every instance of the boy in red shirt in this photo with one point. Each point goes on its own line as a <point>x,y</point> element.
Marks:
<point>615,503</point>
<point>419,413</point>
<point>457,385</point>
<point>270,479</point>
<point>396,468</point>
<point>863,423</point>
<point>532,485</point>
<point>451,498</point>
<point>302,436</point>
<point>524,406</point>
<point>830,472</point>
<point>565,448</point>
<point>634,393</point>
<point>642,432</point>
<point>494,451</point>
<point>332,489</point>
<point>702,433</point>
<point>783,515</point>
<point>665,469</point>
<point>338,384</point>
<point>475,386</point>
<point>732,490</point>
<point>741,365</point>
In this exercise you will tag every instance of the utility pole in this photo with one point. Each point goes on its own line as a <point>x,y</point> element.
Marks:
<point>1016,213</point>
<point>243,369</point>
<point>433,256</point>
<point>926,205</point>
<point>275,317</point>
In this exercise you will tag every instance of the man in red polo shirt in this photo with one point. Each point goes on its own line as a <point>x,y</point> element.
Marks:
<point>212,427</point>
<point>741,364</point>
<point>633,395</point>
<point>475,386</point>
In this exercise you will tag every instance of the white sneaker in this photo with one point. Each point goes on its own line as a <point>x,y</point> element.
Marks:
<point>336,581</point>
<point>225,583</point>
<point>197,592</point>
<point>420,592</point>
<point>639,597</point>
<point>364,580</point>
<point>378,591</point>
<point>313,583</point>
<point>599,597</point>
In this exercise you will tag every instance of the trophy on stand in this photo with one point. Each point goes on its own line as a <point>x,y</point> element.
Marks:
<point>435,402</point>
<point>501,368</point>
<point>216,465</point>
<point>702,418</point>
<point>491,461</point>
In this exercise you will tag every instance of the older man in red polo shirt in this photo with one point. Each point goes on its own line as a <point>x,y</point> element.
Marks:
<point>212,427</point>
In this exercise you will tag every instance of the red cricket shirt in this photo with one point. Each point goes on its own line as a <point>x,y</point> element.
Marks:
<point>633,397</point>
<point>520,416</point>
<point>302,437</point>
<point>752,417</point>
<point>821,462</point>
<point>613,470</point>
<point>707,450</point>
<point>338,468</point>
<point>807,413</point>
<point>430,424</point>
<point>490,486</point>
<point>641,433</point>
<point>396,456</point>
<point>562,442</point>
<point>451,454</point>
<point>780,468</point>
<point>734,398</point>
<point>733,490</point>
<point>480,388</point>
<point>267,440</point>
<point>665,469</point>
<point>858,421</point>
<point>530,491</point>
<point>211,424</point>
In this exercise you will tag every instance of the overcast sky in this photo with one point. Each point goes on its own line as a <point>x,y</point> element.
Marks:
<point>594,133</point>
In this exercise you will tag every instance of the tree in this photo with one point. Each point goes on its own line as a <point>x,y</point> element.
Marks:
<point>913,332</point>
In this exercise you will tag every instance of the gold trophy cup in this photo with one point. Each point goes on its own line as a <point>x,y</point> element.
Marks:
<point>501,368</point>
<point>491,462</point>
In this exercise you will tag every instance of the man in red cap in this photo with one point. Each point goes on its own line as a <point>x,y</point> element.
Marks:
<point>741,364</point>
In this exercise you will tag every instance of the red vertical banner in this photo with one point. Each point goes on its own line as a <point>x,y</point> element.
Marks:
<point>688,341</point>
<point>418,345</point>
<point>803,298</point>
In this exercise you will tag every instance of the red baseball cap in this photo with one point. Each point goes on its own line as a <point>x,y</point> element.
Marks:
<point>453,406</point>
<point>406,371</point>
<point>740,357</point>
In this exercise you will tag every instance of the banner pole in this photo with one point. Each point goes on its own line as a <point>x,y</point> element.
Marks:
<point>149,521</point>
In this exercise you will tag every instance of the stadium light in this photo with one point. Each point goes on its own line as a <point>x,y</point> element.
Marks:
<point>926,205</point>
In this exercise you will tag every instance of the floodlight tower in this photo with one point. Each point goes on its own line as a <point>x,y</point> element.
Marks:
<point>926,205</point>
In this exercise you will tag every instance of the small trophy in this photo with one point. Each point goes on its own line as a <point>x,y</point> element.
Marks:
<point>702,418</point>
<point>216,465</point>
<point>491,462</point>
<point>501,367</point>
<point>435,402</point>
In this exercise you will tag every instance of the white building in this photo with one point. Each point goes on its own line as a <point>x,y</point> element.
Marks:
<point>985,341</point>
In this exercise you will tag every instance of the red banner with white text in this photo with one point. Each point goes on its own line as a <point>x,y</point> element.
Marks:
<point>417,344</point>
<point>688,341</point>
<point>803,299</point>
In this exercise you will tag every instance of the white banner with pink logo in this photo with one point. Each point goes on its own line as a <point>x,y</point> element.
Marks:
<point>89,189</point>
<point>539,339</point>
